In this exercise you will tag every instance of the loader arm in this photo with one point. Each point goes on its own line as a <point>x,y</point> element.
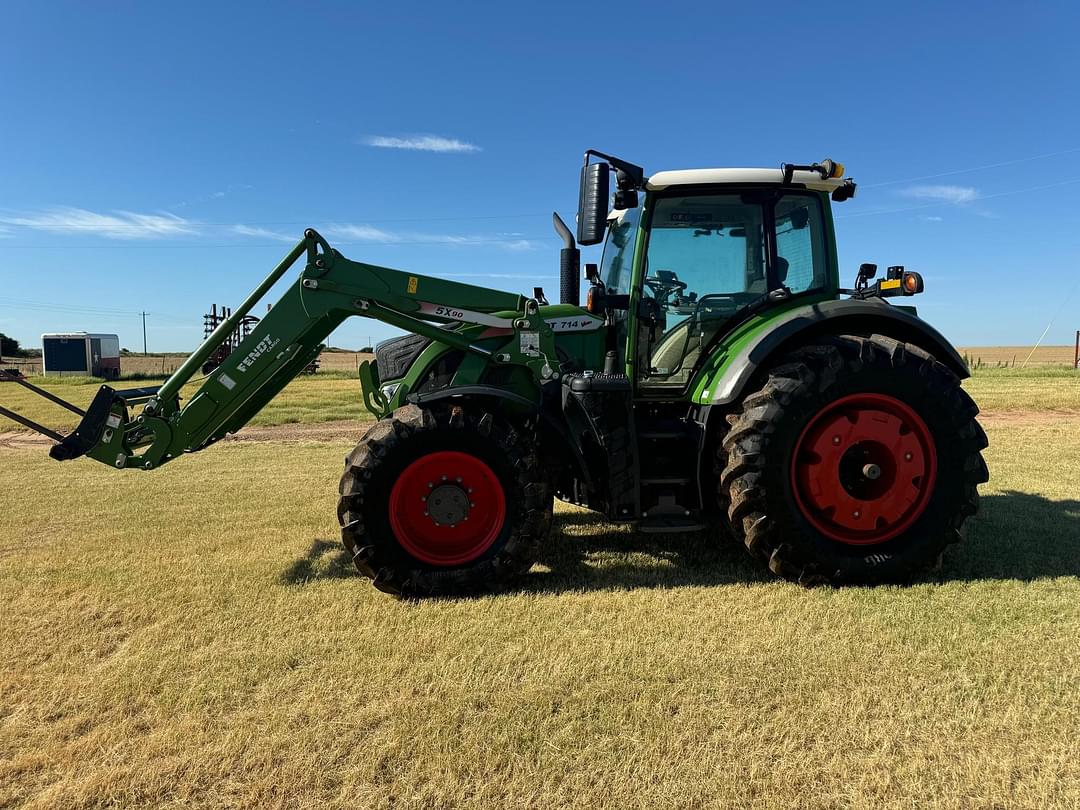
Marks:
<point>143,428</point>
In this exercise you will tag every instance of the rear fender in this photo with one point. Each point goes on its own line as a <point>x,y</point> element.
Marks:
<point>725,383</point>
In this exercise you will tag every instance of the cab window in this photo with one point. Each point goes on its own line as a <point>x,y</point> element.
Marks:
<point>800,243</point>
<point>616,266</point>
<point>707,259</point>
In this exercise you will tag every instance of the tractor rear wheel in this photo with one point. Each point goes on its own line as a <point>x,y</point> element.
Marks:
<point>857,460</point>
<point>443,500</point>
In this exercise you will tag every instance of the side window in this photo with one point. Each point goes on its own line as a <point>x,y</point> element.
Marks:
<point>616,264</point>
<point>800,242</point>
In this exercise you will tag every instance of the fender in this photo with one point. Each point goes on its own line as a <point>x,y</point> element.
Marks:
<point>554,428</point>
<point>803,324</point>
<point>473,391</point>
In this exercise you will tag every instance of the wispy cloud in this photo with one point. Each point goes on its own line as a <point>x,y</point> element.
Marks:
<point>369,233</point>
<point>925,218</point>
<point>363,233</point>
<point>421,143</point>
<point>216,195</point>
<point>955,195</point>
<point>263,233</point>
<point>117,225</point>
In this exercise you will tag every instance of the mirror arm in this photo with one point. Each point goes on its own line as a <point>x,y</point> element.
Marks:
<point>635,174</point>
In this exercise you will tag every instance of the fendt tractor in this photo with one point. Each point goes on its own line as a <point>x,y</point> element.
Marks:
<point>717,378</point>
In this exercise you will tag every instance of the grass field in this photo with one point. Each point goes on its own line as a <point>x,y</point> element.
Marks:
<point>335,396</point>
<point>348,361</point>
<point>164,364</point>
<point>195,637</point>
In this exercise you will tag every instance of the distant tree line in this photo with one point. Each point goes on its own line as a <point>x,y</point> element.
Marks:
<point>9,347</point>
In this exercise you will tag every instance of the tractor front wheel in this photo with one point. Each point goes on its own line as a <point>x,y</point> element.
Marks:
<point>857,460</point>
<point>445,500</point>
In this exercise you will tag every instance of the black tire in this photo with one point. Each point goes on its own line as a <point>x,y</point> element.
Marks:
<point>410,433</point>
<point>756,484</point>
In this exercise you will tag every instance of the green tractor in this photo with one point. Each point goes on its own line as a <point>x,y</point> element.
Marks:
<point>717,378</point>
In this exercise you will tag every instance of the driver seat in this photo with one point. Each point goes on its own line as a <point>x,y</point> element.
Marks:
<point>677,349</point>
<point>782,267</point>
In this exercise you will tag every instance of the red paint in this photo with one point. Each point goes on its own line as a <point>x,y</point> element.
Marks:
<point>827,471</point>
<point>421,535</point>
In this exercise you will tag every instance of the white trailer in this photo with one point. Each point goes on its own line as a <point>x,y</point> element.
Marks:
<point>80,353</point>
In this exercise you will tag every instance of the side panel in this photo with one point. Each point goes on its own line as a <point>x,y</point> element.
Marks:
<point>760,338</point>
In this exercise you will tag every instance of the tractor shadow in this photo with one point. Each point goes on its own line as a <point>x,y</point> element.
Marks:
<point>583,553</point>
<point>325,559</point>
<point>1016,536</point>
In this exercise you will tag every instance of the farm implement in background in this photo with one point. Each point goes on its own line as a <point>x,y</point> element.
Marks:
<point>717,376</point>
<point>214,318</point>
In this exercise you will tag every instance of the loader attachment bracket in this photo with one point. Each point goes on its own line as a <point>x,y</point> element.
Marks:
<point>374,399</point>
<point>89,431</point>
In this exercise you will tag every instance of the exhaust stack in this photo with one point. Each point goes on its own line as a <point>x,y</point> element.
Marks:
<point>569,264</point>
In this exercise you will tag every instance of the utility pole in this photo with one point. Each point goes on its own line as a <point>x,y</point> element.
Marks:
<point>144,314</point>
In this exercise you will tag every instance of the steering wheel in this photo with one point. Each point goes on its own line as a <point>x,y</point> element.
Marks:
<point>702,306</point>
<point>663,284</point>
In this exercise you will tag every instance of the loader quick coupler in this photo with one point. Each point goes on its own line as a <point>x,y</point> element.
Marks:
<point>91,425</point>
<point>90,430</point>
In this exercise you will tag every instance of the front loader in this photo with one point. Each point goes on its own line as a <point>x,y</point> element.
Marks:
<point>717,379</point>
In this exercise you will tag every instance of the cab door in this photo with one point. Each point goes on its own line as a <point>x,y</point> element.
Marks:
<point>706,259</point>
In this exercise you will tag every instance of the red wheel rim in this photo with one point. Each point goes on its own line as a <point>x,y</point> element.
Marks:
<point>447,508</point>
<point>864,469</point>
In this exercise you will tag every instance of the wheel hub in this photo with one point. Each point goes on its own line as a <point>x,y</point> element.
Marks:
<point>448,504</point>
<point>864,469</point>
<point>447,508</point>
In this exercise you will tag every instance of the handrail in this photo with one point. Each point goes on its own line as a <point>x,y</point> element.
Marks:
<point>179,378</point>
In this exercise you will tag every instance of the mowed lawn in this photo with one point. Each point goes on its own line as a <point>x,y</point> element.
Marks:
<point>194,637</point>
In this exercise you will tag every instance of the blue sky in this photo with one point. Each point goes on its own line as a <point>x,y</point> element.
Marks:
<point>162,157</point>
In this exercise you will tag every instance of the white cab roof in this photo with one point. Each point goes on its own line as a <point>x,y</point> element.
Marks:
<point>694,177</point>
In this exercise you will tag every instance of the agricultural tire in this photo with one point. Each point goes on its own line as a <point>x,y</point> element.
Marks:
<point>444,500</point>
<point>856,460</point>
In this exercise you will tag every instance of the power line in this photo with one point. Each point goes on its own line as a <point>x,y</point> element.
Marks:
<point>508,242</point>
<point>101,312</point>
<point>972,168</point>
<point>947,202</point>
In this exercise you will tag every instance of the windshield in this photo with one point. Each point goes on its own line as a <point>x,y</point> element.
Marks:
<point>617,265</point>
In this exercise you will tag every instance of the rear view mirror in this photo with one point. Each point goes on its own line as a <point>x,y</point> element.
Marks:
<point>593,203</point>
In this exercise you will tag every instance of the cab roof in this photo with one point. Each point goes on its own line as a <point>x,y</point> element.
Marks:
<point>700,177</point>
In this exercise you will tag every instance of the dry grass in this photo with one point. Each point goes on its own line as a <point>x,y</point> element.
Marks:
<point>162,365</point>
<point>306,399</point>
<point>347,361</point>
<point>1016,355</point>
<point>330,397</point>
<point>194,637</point>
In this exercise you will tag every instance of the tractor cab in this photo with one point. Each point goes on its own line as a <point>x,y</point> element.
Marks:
<point>700,251</point>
